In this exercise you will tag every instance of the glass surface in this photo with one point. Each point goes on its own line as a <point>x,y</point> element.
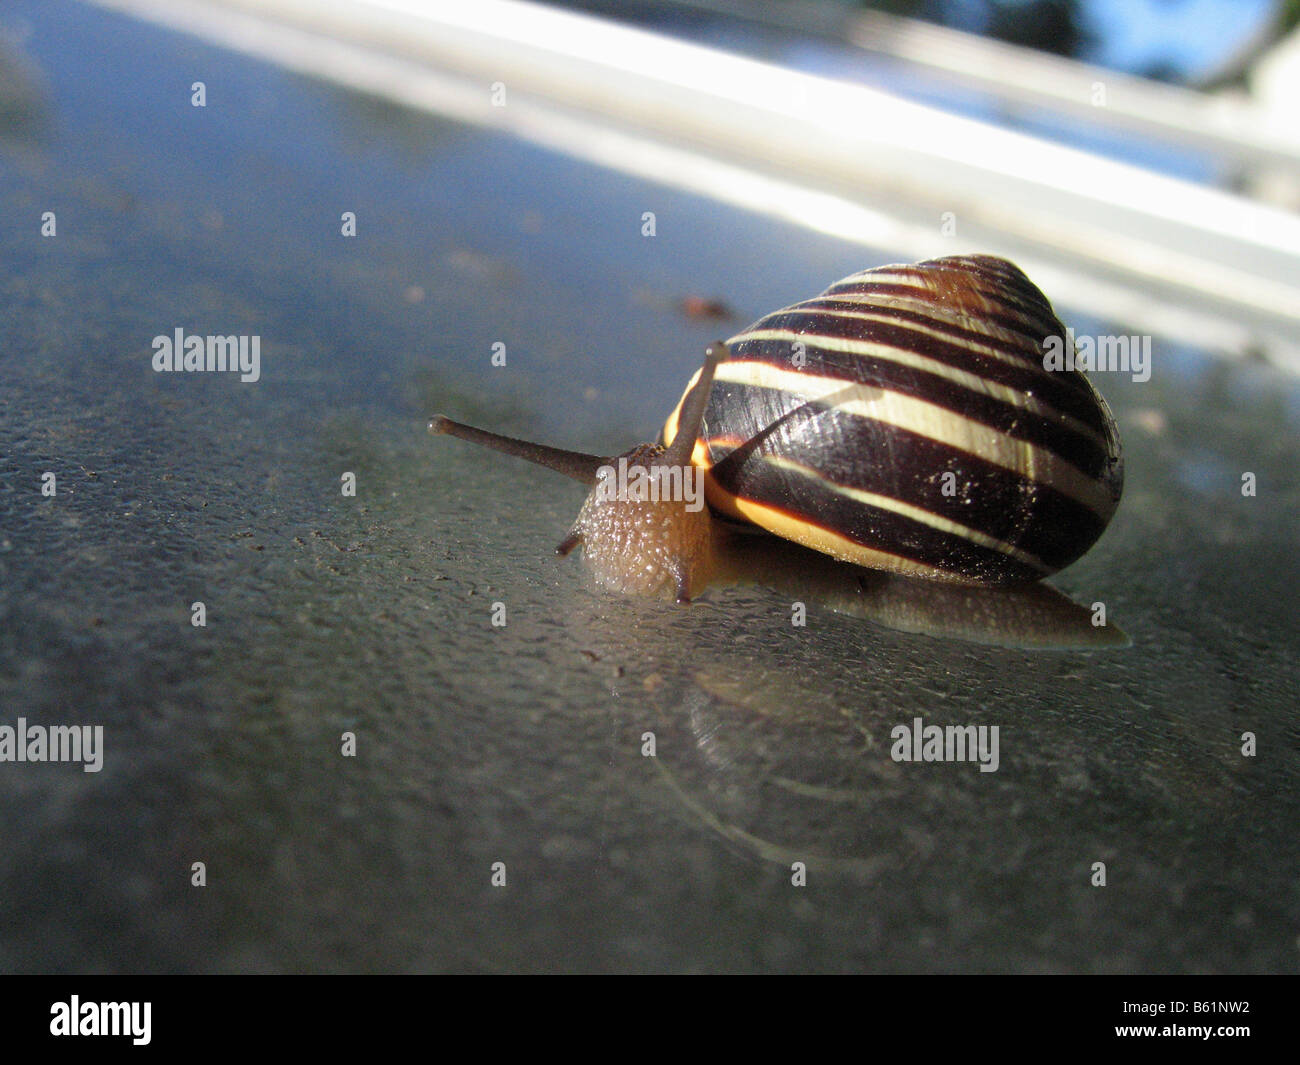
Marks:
<point>522,744</point>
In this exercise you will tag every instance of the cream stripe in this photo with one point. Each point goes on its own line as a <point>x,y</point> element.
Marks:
<point>925,419</point>
<point>923,303</point>
<point>926,308</point>
<point>915,278</point>
<point>887,276</point>
<point>905,357</point>
<point>908,510</point>
<point>804,530</point>
<point>817,537</point>
<point>828,542</point>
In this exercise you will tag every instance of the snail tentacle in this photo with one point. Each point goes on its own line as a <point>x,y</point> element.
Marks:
<point>576,464</point>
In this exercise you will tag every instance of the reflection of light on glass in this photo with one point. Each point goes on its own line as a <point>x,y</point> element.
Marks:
<point>1098,208</point>
<point>806,148</point>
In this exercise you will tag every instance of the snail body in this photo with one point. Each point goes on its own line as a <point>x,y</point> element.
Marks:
<point>903,420</point>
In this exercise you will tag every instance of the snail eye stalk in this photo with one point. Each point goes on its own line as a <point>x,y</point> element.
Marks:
<point>576,464</point>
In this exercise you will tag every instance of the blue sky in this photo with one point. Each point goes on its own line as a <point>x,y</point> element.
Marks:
<point>1193,34</point>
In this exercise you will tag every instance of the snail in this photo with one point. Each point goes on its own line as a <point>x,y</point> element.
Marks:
<point>903,420</point>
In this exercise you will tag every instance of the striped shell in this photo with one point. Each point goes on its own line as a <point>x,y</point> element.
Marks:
<point>906,374</point>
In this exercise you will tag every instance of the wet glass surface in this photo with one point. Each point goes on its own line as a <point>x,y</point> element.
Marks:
<point>523,744</point>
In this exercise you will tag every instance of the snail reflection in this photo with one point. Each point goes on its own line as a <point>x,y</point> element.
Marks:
<point>1031,616</point>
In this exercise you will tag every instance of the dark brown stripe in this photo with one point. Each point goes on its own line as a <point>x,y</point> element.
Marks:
<point>1068,444</point>
<point>873,456</point>
<point>883,530</point>
<point>1032,329</point>
<point>1011,336</point>
<point>1063,390</point>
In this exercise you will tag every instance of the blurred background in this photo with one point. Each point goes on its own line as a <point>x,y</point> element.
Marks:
<point>603,188</point>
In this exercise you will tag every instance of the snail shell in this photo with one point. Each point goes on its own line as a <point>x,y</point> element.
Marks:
<point>904,420</point>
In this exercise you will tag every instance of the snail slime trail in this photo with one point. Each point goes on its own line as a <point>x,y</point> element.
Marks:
<point>903,420</point>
